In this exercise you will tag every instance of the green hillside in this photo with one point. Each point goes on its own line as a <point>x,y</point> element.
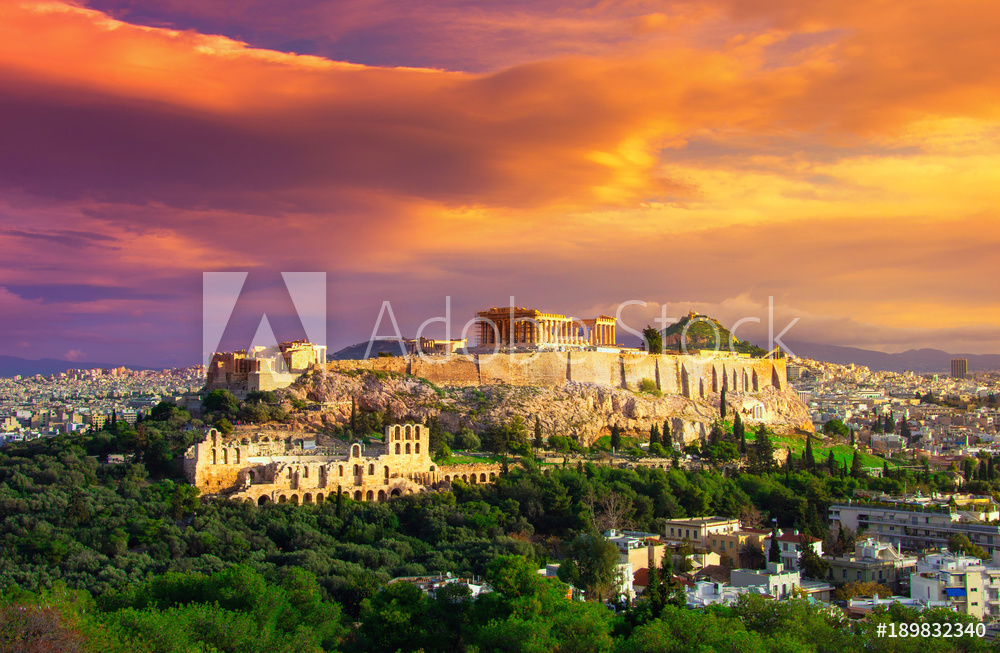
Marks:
<point>700,334</point>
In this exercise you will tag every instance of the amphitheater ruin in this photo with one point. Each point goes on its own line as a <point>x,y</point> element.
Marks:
<point>283,468</point>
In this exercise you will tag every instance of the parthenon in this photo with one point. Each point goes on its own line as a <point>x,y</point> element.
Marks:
<point>529,328</point>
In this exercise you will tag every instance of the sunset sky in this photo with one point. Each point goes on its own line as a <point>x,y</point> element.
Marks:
<point>841,157</point>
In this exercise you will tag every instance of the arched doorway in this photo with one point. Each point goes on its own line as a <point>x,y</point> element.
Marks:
<point>357,495</point>
<point>370,496</point>
<point>381,496</point>
<point>282,499</point>
<point>307,498</point>
<point>261,501</point>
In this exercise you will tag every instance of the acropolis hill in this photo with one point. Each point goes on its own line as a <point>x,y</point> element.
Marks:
<point>569,373</point>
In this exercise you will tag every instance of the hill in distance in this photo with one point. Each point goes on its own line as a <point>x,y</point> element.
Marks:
<point>357,352</point>
<point>700,334</point>
<point>15,366</point>
<point>922,361</point>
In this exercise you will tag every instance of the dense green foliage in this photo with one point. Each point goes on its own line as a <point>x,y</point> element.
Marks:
<point>114,560</point>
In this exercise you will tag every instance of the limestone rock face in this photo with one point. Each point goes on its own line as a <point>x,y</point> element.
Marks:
<point>582,410</point>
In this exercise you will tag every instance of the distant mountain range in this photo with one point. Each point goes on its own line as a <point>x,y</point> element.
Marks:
<point>357,352</point>
<point>14,366</point>
<point>913,360</point>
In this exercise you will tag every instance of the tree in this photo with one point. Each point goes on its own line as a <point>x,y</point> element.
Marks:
<point>667,438</point>
<point>616,437</point>
<point>904,431</point>
<point>539,442</point>
<point>653,340</point>
<point>852,438</point>
<point>774,551</point>
<point>594,559</point>
<point>506,437</point>
<point>811,564</point>
<point>762,456</point>
<point>890,424</point>
<point>856,471</point>
<point>654,435</point>
<point>959,543</point>
<point>810,461</point>
<point>878,428</point>
<point>224,426</point>
<point>354,417</point>
<point>221,401</point>
<point>835,427</point>
<point>739,433</point>
<point>722,403</point>
<point>831,463</point>
<point>851,590</point>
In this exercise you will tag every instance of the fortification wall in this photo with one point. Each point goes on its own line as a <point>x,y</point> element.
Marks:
<point>688,375</point>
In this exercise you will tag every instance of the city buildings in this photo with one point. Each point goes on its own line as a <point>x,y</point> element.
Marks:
<point>873,561</point>
<point>959,368</point>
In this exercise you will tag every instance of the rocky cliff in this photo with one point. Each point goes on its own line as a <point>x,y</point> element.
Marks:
<point>582,410</point>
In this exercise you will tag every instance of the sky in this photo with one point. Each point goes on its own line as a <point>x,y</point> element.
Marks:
<point>838,161</point>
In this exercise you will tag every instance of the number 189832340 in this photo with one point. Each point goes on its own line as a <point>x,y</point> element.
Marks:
<point>932,630</point>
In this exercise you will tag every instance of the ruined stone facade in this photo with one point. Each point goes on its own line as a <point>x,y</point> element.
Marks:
<point>278,468</point>
<point>263,368</point>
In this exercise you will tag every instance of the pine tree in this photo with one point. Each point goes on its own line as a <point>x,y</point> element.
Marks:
<point>539,442</point>
<point>877,428</point>
<point>666,437</point>
<point>843,470</point>
<point>722,403</point>
<point>654,435</point>
<point>810,461</point>
<point>763,451</point>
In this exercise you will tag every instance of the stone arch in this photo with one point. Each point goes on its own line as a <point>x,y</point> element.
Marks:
<point>465,478</point>
<point>355,451</point>
<point>395,493</point>
<point>685,383</point>
<point>262,500</point>
<point>357,470</point>
<point>775,379</point>
<point>397,431</point>
<point>447,479</point>
<point>371,469</point>
<point>251,476</point>
<point>482,478</point>
<point>756,382</point>
<point>416,447</point>
<point>282,499</point>
<point>397,448</point>
<point>307,498</point>
<point>407,447</point>
<point>409,432</point>
<point>387,471</point>
<point>381,496</point>
<point>215,438</point>
<point>472,478</point>
<point>357,495</point>
<point>370,496</point>
<point>225,456</point>
<point>319,497</point>
<point>409,491</point>
<point>493,476</point>
<point>294,499</point>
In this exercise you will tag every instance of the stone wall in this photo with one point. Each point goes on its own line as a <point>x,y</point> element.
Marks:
<point>693,376</point>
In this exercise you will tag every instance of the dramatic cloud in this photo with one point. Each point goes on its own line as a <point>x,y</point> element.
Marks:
<point>840,158</point>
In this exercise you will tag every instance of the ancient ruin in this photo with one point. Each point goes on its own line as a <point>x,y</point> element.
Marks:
<point>263,368</point>
<point>527,328</point>
<point>286,468</point>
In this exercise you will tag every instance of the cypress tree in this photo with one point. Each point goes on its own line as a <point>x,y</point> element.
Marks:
<point>890,424</point>
<point>538,433</point>
<point>904,431</point>
<point>340,503</point>
<point>773,551</point>
<point>667,438</point>
<point>789,461</point>
<point>810,461</point>
<point>739,433</point>
<point>654,435</point>
<point>852,440</point>
<point>843,470</point>
<point>722,403</point>
<point>885,469</point>
<point>856,466</point>
<point>831,463</point>
<point>616,438</point>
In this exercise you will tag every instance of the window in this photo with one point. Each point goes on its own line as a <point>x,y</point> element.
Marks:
<point>730,545</point>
